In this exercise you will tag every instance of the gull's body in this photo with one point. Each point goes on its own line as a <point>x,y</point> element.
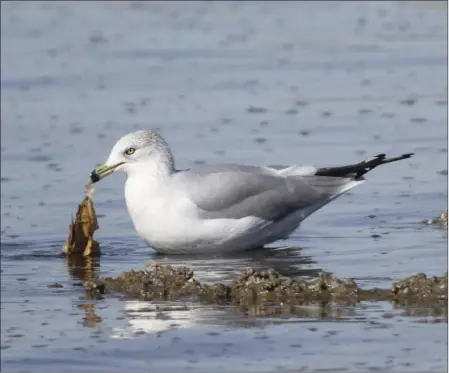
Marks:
<point>168,218</point>
<point>223,207</point>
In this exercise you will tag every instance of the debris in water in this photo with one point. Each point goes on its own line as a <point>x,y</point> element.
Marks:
<point>256,110</point>
<point>80,240</point>
<point>55,285</point>
<point>440,220</point>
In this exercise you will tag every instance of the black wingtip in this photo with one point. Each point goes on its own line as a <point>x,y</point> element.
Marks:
<point>394,159</point>
<point>360,169</point>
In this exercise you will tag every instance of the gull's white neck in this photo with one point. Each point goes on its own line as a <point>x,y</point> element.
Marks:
<point>145,187</point>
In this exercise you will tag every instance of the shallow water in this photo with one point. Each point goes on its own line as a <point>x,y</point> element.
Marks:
<point>257,83</point>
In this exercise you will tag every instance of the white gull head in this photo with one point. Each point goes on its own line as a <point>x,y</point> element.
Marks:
<point>138,151</point>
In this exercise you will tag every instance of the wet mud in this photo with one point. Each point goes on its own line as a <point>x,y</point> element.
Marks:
<point>266,292</point>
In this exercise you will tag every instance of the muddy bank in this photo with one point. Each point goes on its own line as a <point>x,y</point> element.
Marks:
<point>267,292</point>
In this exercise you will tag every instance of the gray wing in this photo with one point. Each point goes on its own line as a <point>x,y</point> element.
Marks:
<point>229,167</point>
<point>234,191</point>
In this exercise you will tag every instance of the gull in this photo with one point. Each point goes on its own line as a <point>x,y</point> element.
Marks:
<point>224,207</point>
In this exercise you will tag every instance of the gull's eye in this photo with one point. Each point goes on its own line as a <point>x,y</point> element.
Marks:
<point>130,151</point>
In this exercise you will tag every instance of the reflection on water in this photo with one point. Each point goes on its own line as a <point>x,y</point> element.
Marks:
<point>82,268</point>
<point>327,82</point>
<point>288,261</point>
<point>150,317</point>
<point>144,317</point>
<point>153,317</point>
<point>435,312</point>
<point>91,318</point>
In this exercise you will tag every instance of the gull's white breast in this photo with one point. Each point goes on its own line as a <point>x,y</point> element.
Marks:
<point>169,221</point>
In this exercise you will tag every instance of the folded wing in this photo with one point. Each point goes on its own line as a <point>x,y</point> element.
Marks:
<point>240,191</point>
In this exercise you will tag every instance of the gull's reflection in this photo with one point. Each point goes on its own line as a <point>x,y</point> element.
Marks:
<point>145,317</point>
<point>156,317</point>
<point>288,261</point>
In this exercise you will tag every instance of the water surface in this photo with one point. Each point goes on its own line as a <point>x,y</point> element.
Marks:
<point>257,83</point>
